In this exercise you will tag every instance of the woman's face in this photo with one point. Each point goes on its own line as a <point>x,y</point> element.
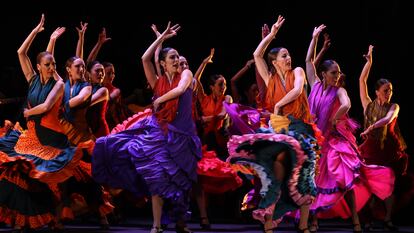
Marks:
<point>252,92</point>
<point>219,87</point>
<point>183,64</point>
<point>283,60</point>
<point>384,93</point>
<point>97,73</point>
<point>47,66</point>
<point>76,70</point>
<point>109,74</point>
<point>332,75</point>
<point>170,64</point>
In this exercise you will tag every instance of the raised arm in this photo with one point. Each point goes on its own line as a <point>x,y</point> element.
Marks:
<point>260,62</point>
<point>102,39</point>
<point>345,105</point>
<point>391,115</point>
<point>199,86</point>
<point>259,80</point>
<point>234,80</point>
<point>363,89</point>
<point>295,92</point>
<point>52,97</point>
<point>149,69</point>
<point>157,51</point>
<point>310,66</point>
<point>203,65</point>
<point>185,82</point>
<point>52,41</point>
<point>81,39</point>
<point>100,95</point>
<point>325,47</point>
<point>24,60</point>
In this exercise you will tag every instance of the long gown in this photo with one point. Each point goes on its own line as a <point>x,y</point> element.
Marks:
<point>148,158</point>
<point>33,161</point>
<point>257,149</point>
<point>340,166</point>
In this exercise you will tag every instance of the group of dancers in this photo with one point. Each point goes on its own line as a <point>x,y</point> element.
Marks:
<point>298,152</point>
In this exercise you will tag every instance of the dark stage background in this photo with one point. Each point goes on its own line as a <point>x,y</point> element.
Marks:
<point>233,30</point>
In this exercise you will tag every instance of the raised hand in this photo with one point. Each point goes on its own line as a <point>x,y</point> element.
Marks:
<point>318,30</point>
<point>171,31</point>
<point>265,31</point>
<point>57,33</point>
<point>276,26</point>
<point>82,29</point>
<point>209,59</point>
<point>155,30</point>
<point>102,37</point>
<point>368,56</point>
<point>40,27</point>
<point>249,63</point>
<point>326,41</point>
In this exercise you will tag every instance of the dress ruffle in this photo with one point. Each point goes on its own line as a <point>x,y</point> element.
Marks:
<point>215,175</point>
<point>140,159</point>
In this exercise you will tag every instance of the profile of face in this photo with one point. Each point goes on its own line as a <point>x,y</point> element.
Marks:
<point>283,60</point>
<point>252,92</point>
<point>47,66</point>
<point>76,71</point>
<point>97,73</point>
<point>109,74</point>
<point>219,87</point>
<point>332,74</point>
<point>170,62</point>
<point>384,93</point>
<point>183,64</point>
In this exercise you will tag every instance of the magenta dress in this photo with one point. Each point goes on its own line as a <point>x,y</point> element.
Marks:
<point>340,166</point>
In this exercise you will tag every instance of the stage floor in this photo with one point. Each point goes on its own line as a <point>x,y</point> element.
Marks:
<point>138,226</point>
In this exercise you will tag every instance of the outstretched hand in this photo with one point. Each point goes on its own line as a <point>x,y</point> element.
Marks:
<point>318,30</point>
<point>276,26</point>
<point>368,56</point>
<point>326,41</point>
<point>57,33</point>
<point>102,37</point>
<point>82,29</point>
<point>249,63</point>
<point>209,59</point>
<point>40,27</point>
<point>265,31</point>
<point>155,30</point>
<point>170,31</point>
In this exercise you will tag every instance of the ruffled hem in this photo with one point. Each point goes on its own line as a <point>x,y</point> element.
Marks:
<point>375,180</point>
<point>35,221</point>
<point>215,175</point>
<point>145,160</point>
<point>106,207</point>
<point>261,213</point>
<point>29,205</point>
<point>126,124</point>
<point>49,177</point>
<point>294,193</point>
